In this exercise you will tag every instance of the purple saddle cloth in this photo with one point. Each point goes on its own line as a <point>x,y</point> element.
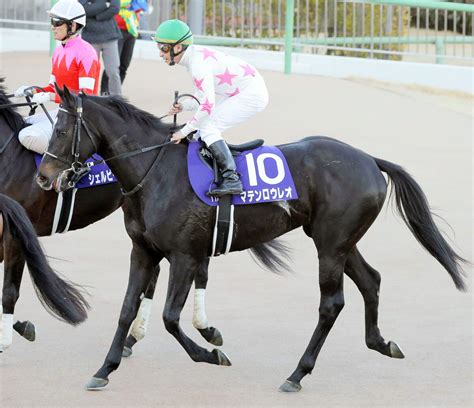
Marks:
<point>264,173</point>
<point>99,175</point>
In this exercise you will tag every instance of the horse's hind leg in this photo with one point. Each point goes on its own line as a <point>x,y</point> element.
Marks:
<point>140,324</point>
<point>200,322</point>
<point>183,269</point>
<point>336,229</point>
<point>331,273</point>
<point>367,280</point>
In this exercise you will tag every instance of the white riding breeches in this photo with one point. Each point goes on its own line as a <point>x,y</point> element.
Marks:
<point>234,110</point>
<point>36,137</point>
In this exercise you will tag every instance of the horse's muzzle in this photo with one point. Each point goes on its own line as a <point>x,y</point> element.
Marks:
<point>58,183</point>
<point>44,182</point>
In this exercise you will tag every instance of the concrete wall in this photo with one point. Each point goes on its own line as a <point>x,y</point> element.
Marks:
<point>446,77</point>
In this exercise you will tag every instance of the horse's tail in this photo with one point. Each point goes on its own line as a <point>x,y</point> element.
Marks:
<point>271,255</point>
<point>61,298</point>
<point>413,207</point>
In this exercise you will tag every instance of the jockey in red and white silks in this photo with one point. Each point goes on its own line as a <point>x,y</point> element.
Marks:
<point>230,91</point>
<point>75,65</point>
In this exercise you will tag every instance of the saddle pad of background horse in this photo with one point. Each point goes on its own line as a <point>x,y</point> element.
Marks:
<point>264,173</point>
<point>99,175</point>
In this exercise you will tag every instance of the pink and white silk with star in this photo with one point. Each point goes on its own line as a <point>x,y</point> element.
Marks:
<point>229,91</point>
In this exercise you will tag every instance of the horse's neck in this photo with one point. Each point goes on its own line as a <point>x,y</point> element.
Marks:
<point>10,148</point>
<point>130,170</point>
<point>17,168</point>
<point>15,161</point>
<point>10,117</point>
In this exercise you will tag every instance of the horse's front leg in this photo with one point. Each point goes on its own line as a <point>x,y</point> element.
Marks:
<point>140,324</point>
<point>14,263</point>
<point>183,269</point>
<point>141,268</point>
<point>200,322</point>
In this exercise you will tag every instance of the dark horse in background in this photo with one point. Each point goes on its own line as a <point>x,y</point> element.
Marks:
<point>17,180</point>
<point>18,240</point>
<point>341,191</point>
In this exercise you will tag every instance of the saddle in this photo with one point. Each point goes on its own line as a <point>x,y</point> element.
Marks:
<point>207,157</point>
<point>264,174</point>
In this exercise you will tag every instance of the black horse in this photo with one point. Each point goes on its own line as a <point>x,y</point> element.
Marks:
<point>341,191</point>
<point>17,180</point>
<point>18,240</point>
<point>17,171</point>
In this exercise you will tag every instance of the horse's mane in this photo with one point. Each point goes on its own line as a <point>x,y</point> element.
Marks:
<point>128,111</point>
<point>11,116</point>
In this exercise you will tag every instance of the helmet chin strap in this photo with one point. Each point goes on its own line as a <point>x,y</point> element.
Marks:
<point>69,32</point>
<point>172,53</point>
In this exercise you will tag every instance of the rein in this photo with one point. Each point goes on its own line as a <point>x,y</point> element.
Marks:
<point>149,148</point>
<point>79,169</point>
<point>17,105</point>
<point>33,106</point>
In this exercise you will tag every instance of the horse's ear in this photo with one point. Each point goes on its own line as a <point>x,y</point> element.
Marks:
<point>67,96</point>
<point>59,91</point>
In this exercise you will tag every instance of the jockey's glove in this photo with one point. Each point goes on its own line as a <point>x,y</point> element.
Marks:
<point>40,97</point>
<point>24,90</point>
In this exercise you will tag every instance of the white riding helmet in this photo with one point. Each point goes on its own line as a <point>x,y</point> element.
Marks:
<point>70,10</point>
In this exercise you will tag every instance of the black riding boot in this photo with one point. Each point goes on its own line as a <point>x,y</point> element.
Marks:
<point>231,183</point>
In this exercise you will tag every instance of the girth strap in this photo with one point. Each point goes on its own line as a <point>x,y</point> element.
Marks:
<point>64,210</point>
<point>224,227</point>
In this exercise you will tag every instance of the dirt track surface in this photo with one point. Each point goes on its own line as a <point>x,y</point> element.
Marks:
<point>267,320</point>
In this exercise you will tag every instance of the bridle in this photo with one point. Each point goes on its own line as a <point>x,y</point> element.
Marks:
<point>79,169</point>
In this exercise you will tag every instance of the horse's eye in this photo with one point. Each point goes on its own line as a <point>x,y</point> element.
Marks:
<point>60,132</point>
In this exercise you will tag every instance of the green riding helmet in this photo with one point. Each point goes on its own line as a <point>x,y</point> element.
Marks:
<point>173,32</point>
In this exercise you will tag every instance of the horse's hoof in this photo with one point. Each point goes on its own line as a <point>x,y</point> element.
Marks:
<point>223,359</point>
<point>395,351</point>
<point>29,332</point>
<point>212,335</point>
<point>216,339</point>
<point>127,351</point>
<point>25,329</point>
<point>290,386</point>
<point>96,384</point>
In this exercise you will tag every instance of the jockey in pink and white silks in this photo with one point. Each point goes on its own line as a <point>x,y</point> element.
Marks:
<point>75,64</point>
<point>229,90</point>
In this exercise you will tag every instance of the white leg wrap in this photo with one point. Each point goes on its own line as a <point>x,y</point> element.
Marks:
<point>139,325</point>
<point>6,331</point>
<point>199,315</point>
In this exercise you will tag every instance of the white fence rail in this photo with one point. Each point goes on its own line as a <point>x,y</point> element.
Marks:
<point>417,31</point>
